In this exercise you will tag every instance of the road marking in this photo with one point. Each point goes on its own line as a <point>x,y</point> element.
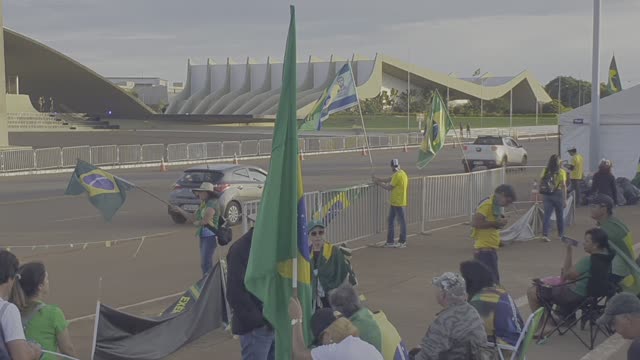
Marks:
<point>91,316</point>
<point>34,200</point>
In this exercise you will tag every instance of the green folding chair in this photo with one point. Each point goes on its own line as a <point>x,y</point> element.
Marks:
<point>519,351</point>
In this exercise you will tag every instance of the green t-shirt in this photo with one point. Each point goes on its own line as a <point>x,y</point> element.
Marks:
<point>583,267</point>
<point>620,236</point>
<point>368,327</point>
<point>44,328</point>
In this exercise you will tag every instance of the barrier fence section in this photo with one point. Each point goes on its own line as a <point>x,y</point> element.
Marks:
<point>362,211</point>
<point>66,157</point>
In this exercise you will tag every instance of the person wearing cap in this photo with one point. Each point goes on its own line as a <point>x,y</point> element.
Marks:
<point>458,331</point>
<point>374,328</point>
<point>257,338</point>
<point>577,173</point>
<point>336,337</point>
<point>604,182</point>
<point>330,265</point>
<point>397,185</point>
<point>206,220</point>
<point>486,223</point>
<point>622,315</point>
<point>620,241</point>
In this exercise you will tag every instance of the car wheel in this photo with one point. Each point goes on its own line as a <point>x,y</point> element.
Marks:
<point>524,160</point>
<point>178,219</point>
<point>467,166</point>
<point>504,162</point>
<point>233,213</point>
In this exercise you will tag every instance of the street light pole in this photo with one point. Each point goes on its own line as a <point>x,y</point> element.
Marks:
<point>594,138</point>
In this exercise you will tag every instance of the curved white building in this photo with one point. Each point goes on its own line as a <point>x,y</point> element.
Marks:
<point>252,88</point>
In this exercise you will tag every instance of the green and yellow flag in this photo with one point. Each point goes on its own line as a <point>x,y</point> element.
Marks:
<point>614,83</point>
<point>280,233</point>
<point>106,192</point>
<point>435,132</point>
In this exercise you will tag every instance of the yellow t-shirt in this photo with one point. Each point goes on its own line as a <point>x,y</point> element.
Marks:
<point>578,167</point>
<point>400,183</point>
<point>560,179</point>
<point>486,238</point>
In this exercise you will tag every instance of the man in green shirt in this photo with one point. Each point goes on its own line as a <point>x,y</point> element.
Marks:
<point>620,241</point>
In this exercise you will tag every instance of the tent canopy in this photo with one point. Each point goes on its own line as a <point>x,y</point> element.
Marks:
<point>619,131</point>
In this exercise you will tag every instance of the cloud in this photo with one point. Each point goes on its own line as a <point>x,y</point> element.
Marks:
<point>128,37</point>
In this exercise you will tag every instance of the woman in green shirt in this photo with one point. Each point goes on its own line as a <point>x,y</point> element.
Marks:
<point>206,220</point>
<point>45,324</point>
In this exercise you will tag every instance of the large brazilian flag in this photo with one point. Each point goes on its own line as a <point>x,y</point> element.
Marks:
<point>106,192</point>
<point>280,233</point>
<point>436,131</point>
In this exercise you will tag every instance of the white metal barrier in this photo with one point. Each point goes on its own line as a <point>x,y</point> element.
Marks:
<point>177,152</point>
<point>71,155</point>
<point>362,211</point>
<point>104,155</point>
<point>50,158</point>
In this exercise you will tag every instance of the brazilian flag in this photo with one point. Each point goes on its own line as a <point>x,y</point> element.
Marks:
<point>435,132</point>
<point>614,84</point>
<point>106,192</point>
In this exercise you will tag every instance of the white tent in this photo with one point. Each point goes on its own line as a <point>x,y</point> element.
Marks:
<point>619,131</point>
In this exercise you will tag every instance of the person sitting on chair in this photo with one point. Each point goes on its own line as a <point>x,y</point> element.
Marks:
<point>569,290</point>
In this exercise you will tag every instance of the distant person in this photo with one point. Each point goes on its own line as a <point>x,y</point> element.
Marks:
<point>461,130</point>
<point>41,103</point>
<point>206,220</point>
<point>51,105</point>
<point>553,187</point>
<point>337,338</point>
<point>330,265</point>
<point>486,224</point>
<point>577,173</point>
<point>374,328</point>
<point>622,315</point>
<point>604,182</point>
<point>468,130</point>
<point>502,320</point>
<point>398,185</point>
<point>44,324</point>
<point>257,337</point>
<point>620,240</point>
<point>13,345</point>
<point>458,332</point>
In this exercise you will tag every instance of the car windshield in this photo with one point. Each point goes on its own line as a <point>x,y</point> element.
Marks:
<point>488,141</point>
<point>197,177</point>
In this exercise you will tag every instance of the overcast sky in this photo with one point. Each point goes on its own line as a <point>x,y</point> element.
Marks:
<point>504,37</point>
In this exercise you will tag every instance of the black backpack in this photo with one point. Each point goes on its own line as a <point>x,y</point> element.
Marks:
<point>548,183</point>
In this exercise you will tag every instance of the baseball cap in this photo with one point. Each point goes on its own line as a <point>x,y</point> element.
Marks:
<point>395,163</point>
<point>320,321</point>
<point>603,200</point>
<point>315,224</point>
<point>620,304</point>
<point>571,148</point>
<point>452,284</point>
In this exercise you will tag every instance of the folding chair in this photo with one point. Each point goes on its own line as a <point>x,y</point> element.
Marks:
<point>599,291</point>
<point>519,351</point>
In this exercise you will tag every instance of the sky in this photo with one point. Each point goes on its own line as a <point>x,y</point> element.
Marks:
<point>503,37</point>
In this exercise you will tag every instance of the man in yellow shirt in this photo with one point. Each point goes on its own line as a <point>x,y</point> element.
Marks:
<point>487,222</point>
<point>398,185</point>
<point>577,173</point>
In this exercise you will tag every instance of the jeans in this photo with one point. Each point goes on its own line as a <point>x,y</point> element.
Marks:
<point>259,344</point>
<point>207,247</point>
<point>490,259</point>
<point>396,211</point>
<point>550,203</point>
<point>575,185</point>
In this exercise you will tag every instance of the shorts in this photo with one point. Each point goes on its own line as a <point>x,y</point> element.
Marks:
<point>566,299</point>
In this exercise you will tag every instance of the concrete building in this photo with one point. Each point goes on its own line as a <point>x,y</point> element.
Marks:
<point>253,88</point>
<point>152,91</point>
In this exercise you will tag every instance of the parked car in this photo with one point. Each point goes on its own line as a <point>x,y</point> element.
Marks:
<point>492,152</point>
<point>236,183</point>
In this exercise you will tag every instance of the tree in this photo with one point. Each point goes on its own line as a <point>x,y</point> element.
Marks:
<point>573,92</point>
<point>418,100</point>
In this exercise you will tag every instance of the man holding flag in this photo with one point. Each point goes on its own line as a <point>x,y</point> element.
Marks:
<point>279,267</point>
<point>436,134</point>
<point>340,95</point>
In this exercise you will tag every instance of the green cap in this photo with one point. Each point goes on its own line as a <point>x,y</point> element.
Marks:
<point>315,224</point>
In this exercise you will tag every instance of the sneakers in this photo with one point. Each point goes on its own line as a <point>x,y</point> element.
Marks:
<point>546,239</point>
<point>399,245</point>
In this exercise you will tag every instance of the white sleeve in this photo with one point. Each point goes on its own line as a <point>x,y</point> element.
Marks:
<point>325,352</point>
<point>12,324</point>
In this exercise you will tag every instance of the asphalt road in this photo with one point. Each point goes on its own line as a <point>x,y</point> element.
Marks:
<point>34,211</point>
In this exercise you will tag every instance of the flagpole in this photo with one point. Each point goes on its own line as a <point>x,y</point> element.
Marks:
<point>152,194</point>
<point>364,129</point>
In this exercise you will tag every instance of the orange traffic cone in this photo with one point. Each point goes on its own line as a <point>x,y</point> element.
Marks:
<point>163,166</point>
<point>364,151</point>
<point>235,159</point>
<point>404,149</point>
<point>301,155</point>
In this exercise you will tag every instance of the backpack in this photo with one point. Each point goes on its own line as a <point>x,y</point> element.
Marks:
<point>548,183</point>
<point>4,351</point>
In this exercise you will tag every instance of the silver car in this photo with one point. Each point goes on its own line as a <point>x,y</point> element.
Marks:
<point>236,183</point>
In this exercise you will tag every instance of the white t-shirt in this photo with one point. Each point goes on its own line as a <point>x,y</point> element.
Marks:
<point>351,348</point>
<point>11,322</point>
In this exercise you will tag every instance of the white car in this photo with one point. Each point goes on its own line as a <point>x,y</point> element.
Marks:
<point>492,152</point>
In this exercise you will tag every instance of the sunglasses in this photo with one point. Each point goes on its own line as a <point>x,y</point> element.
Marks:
<point>317,233</point>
